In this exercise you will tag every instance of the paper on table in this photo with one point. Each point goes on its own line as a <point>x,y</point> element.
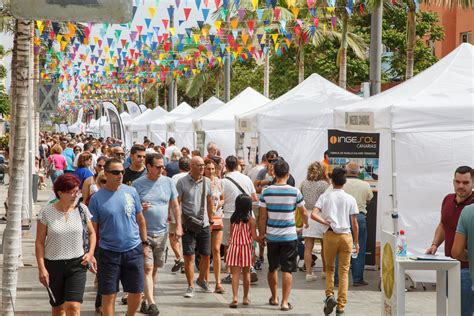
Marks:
<point>431,257</point>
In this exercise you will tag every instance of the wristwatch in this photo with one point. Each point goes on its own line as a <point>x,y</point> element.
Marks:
<point>145,243</point>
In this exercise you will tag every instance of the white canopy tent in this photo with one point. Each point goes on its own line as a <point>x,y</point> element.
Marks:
<point>182,128</point>
<point>426,127</point>
<point>136,129</point>
<point>296,123</point>
<point>125,117</point>
<point>219,126</point>
<point>157,128</point>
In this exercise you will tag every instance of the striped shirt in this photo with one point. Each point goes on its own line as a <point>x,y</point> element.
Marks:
<point>281,202</point>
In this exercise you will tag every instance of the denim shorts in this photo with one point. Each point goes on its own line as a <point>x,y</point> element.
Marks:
<point>126,267</point>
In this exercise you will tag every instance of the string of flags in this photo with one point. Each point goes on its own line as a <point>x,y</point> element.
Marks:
<point>95,59</point>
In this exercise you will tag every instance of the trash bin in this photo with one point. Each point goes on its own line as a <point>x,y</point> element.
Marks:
<point>35,187</point>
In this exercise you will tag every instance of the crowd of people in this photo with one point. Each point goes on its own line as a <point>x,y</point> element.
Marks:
<point>114,213</point>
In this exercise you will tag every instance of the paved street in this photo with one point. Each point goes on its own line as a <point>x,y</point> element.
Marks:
<point>307,298</point>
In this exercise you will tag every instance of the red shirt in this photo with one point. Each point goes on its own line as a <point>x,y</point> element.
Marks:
<point>450,212</point>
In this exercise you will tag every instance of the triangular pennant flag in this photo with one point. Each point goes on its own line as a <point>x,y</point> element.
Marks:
<point>295,11</point>
<point>187,11</point>
<point>147,22</point>
<point>152,11</point>
<point>275,37</point>
<point>245,37</point>
<point>234,23</point>
<point>276,13</point>
<point>217,2</point>
<point>177,3</point>
<point>200,24</point>
<point>205,13</point>
<point>171,11</point>
<point>218,24</point>
<point>198,4</point>
<point>255,4</point>
<point>165,23</point>
<point>241,13</point>
<point>206,3</point>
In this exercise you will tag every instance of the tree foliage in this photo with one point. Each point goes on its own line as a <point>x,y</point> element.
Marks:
<point>4,98</point>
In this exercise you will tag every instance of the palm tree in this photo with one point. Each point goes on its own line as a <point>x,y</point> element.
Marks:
<point>12,244</point>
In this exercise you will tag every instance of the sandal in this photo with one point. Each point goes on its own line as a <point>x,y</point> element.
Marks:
<point>285,309</point>
<point>247,302</point>
<point>219,289</point>
<point>272,303</point>
<point>234,304</point>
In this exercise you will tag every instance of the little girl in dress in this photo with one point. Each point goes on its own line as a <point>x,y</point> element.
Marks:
<point>243,232</point>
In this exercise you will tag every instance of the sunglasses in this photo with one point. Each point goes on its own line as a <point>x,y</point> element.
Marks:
<point>116,172</point>
<point>272,160</point>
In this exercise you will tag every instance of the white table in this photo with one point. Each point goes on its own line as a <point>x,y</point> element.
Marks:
<point>445,305</point>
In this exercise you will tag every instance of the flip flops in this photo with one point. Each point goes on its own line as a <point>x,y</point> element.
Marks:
<point>234,304</point>
<point>285,309</point>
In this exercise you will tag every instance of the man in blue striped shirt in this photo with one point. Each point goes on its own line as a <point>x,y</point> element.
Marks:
<point>278,203</point>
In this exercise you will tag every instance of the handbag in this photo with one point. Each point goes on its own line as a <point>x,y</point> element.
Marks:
<point>193,224</point>
<point>51,166</point>
<point>218,223</point>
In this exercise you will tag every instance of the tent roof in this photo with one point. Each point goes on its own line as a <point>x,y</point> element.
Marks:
<point>146,117</point>
<point>439,98</point>
<point>302,106</point>
<point>224,117</point>
<point>160,123</point>
<point>212,104</point>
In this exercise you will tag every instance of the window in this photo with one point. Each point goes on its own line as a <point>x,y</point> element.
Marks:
<point>466,37</point>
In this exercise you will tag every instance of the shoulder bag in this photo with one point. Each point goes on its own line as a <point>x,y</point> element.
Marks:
<point>85,230</point>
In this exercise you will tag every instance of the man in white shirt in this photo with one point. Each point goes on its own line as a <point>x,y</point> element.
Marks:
<point>234,184</point>
<point>171,147</point>
<point>337,210</point>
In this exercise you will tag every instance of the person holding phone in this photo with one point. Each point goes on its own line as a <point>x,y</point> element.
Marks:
<point>62,252</point>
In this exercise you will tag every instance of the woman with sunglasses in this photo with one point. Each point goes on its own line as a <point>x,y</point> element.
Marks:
<point>61,249</point>
<point>90,185</point>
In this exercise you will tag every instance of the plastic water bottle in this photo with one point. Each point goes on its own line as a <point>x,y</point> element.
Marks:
<point>402,246</point>
<point>354,254</point>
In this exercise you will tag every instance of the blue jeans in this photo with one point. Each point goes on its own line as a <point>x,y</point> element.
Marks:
<point>467,293</point>
<point>358,264</point>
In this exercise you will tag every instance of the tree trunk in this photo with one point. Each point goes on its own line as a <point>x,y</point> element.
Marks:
<point>218,86</point>
<point>227,65</point>
<point>343,53</point>
<point>301,61</point>
<point>13,227</point>
<point>157,96</point>
<point>201,97</point>
<point>411,39</point>
<point>165,98</point>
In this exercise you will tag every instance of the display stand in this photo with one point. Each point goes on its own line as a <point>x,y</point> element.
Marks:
<point>393,280</point>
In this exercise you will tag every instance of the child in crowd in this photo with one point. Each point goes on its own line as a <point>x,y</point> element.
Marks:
<point>240,253</point>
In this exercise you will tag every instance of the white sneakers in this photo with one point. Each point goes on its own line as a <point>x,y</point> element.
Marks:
<point>311,277</point>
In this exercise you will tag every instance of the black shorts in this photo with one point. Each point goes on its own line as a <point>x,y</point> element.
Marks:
<point>283,255</point>
<point>200,242</point>
<point>125,267</point>
<point>67,280</point>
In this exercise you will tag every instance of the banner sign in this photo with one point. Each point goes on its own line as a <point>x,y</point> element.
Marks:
<point>48,97</point>
<point>200,141</point>
<point>133,109</point>
<point>116,126</point>
<point>362,148</point>
<point>359,120</point>
<point>100,11</point>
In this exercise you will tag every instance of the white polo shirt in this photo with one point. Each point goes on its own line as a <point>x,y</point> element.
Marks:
<point>336,207</point>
